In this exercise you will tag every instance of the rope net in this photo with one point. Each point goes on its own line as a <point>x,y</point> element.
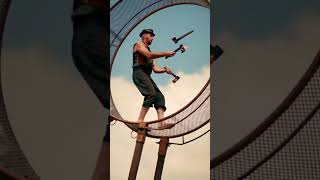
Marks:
<point>125,16</point>
<point>286,145</point>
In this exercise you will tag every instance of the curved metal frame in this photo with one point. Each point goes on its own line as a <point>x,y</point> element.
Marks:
<point>4,118</point>
<point>169,116</point>
<point>187,142</point>
<point>272,117</point>
<point>128,123</point>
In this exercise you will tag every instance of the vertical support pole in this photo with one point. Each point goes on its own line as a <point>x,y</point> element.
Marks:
<point>163,146</point>
<point>141,137</point>
<point>102,170</point>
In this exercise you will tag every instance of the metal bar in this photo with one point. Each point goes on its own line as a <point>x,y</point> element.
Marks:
<point>186,142</point>
<point>163,146</point>
<point>102,170</point>
<point>141,137</point>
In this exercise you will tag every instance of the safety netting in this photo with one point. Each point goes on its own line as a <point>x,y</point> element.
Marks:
<point>192,117</point>
<point>124,17</point>
<point>286,145</point>
<point>12,159</point>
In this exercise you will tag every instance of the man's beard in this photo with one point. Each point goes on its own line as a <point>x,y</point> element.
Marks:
<point>149,43</point>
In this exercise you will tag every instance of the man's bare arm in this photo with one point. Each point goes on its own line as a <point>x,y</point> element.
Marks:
<point>152,55</point>
<point>158,69</point>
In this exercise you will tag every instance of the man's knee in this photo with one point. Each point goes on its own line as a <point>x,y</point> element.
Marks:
<point>159,98</point>
<point>160,95</point>
<point>152,95</point>
<point>149,98</point>
<point>160,107</point>
<point>160,102</point>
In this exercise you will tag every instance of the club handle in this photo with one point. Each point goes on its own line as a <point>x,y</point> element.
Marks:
<point>176,50</point>
<point>183,36</point>
<point>173,75</point>
<point>177,39</point>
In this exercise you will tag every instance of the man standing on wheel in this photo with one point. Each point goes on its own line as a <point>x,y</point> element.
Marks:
<point>143,65</point>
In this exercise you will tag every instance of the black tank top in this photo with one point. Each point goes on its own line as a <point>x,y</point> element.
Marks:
<point>146,65</point>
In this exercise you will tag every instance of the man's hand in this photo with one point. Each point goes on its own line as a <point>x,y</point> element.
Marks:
<point>170,54</point>
<point>168,70</point>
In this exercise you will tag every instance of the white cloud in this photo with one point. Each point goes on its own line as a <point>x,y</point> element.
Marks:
<point>187,162</point>
<point>128,99</point>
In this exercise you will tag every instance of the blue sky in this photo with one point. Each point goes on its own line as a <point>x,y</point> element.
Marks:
<point>112,2</point>
<point>166,24</point>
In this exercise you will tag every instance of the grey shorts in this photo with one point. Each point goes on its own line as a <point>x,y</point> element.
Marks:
<point>148,88</point>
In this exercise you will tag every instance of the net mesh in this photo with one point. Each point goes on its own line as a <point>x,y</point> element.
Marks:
<point>11,156</point>
<point>285,146</point>
<point>124,16</point>
<point>194,116</point>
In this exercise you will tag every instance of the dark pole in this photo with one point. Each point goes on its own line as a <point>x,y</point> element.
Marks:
<point>163,146</point>
<point>102,170</point>
<point>141,137</point>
